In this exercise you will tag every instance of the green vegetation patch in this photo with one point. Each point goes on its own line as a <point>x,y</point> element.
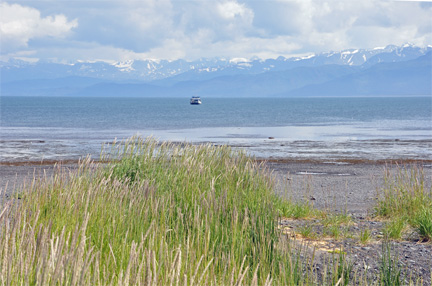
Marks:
<point>406,201</point>
<point>159,214</point>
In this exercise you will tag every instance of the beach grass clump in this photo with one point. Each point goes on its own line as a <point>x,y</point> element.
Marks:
<point>390,271</point>
<point>342,270</point>
<point>405,201</point>
<point>299,210</point>
<point>423,223</point>
<point>158,214</point>
<point>336,219</point>
<point>338,270</point>
<point>335,225</point>
<point>307,231</point>
<point>395,228</point>
<point>365,236</point>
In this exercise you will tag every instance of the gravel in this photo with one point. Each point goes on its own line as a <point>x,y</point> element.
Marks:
<point>352,190</point>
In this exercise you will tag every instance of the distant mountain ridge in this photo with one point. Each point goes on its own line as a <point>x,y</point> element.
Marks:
<point>412,77</point>
<point>151,70</point>
<point>392,70</point>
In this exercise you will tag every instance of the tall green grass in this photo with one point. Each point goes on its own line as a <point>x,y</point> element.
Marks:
<point>390,271</point>
<point>405,200</point>
<point>160,214</point>
<point>164,214</point>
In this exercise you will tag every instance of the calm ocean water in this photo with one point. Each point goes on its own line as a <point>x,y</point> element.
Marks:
<point>39,128</point>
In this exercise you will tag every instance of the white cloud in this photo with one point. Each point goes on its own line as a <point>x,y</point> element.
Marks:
<point>231,9</point>
<point>318,26</point>
<point>20,24</point>
<point>191,29</point>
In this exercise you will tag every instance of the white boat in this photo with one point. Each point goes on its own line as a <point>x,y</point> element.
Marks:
<point>195,100</point>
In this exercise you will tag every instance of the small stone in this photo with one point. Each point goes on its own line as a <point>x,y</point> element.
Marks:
<point>271,138</point>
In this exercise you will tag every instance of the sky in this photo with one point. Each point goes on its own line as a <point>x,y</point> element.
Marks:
<point>122,30</point>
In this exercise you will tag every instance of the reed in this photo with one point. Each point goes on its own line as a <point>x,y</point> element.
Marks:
<point>163,214</point>
<point>159,214</point>
<point>406,201</point>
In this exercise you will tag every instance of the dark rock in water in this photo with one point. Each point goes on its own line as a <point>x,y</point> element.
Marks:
<point>271,138</point>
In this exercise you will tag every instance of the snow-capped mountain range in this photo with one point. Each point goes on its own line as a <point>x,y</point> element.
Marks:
<point>349,72</point>
<point>151,70</point>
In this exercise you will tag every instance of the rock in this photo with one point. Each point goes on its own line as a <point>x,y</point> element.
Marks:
<point>271,138</point>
